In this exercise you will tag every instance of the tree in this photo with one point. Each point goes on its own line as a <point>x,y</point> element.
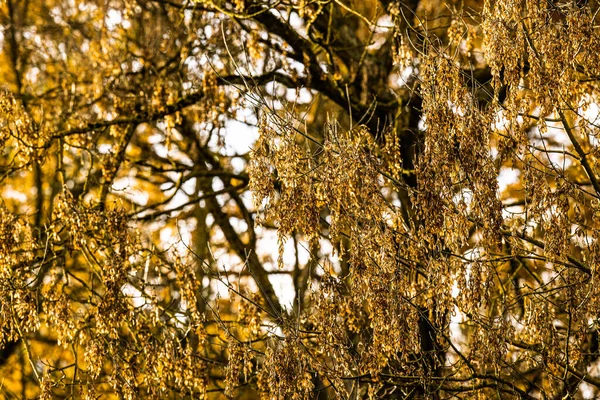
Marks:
<point>299,199</point>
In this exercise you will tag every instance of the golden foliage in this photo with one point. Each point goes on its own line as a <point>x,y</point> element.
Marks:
<point>299,199</point>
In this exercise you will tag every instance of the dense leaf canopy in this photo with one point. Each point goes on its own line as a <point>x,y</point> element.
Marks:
<point>299,199</point>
